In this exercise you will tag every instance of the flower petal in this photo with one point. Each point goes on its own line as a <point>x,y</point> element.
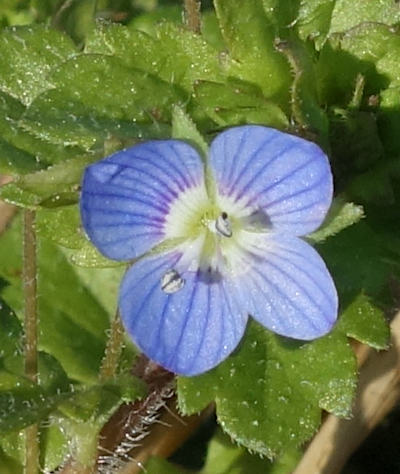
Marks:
<point>188,331</point>
<point>289,290</point>
<point>285,176</point>
<point>126,197</point>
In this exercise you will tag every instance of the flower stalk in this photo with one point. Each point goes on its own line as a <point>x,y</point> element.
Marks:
<point>30,347</point>
<point>113,350</point>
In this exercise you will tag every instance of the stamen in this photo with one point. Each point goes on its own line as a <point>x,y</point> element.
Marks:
<point>223,225</point>
<point>171,282</point>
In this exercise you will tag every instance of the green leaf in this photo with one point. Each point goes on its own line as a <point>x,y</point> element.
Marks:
<point>97,403</point>
<point>27,403</point>
<point>103,283</point>
<point>10,331</point>
<point>21,152</point>
<point>314,20</point>
<point>347,15</point>
<point>341,215</point>
<point>351,254</point>
<point>355,141</point>
<point>193,59</point>
<point>8,465</point>
<point>89,257</point>
<point>370,49</point>
<point>319,19</point>
<point>62,226</point>
<point>224,457</point>
<point>53,446</point>
<point>210,30</point>
<point>237,102</point>
<point>73,322</point>
<point>281,14</point>
<point>28,54</point>
<point>86,413</point>
<point>250,41</point>
<point>96,97</point>
<point>56,186</point>
<point>375,185</point>
<point>389,120</point>
<point>365,322</point>
<point>13,157</point>
<point>269,393</point>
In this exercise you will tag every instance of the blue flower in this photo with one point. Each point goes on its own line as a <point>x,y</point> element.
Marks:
<point>214,242</point>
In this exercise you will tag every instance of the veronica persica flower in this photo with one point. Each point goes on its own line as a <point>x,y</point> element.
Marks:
<point>214,242</point>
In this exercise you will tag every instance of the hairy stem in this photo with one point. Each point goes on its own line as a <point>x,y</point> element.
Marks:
<point>113,351</point>
<point>31,354</point>
<point>134,419</point>
<point>166,436</point>
<point>192,15</point>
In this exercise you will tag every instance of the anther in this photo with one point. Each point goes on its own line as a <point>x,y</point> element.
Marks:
<point>171,282</point>
<point>223,225</point>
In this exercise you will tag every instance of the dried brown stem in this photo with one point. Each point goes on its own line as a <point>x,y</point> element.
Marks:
<point>192,15</point>
<point>378,392</point>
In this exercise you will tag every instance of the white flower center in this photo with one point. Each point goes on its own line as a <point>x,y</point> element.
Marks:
<point>220,238</point>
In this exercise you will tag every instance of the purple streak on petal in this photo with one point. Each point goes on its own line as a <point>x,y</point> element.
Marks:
<point>187,169</point>
<point>189,331</point>
<point>236,158</point>
<point>300,269</point>
<point>276,173</point>
<point>167,166</point>
<point>289,290</point>
<point>279,181</point>
<point>128,195</point>
<point>248,187</point>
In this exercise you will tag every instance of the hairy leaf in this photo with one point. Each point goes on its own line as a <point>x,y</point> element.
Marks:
<point>27,403</point>
<point>56,186</point>
<point>193,58</point>
<point>224,457</point>
<point>370,49</point>
<point>28,54</point>
<point>96,97</point>
<point>236,103</point>
<point>341,215</point>
<point>250,41</point>
<point>270,392</point>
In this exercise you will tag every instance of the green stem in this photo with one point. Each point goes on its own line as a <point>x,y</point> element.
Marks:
<point>113,351</point>
<point>31,353</point>
<point>192,15</point>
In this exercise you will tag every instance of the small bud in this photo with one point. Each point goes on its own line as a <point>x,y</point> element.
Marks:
<point>171,282</point>
<point>223,225</point>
